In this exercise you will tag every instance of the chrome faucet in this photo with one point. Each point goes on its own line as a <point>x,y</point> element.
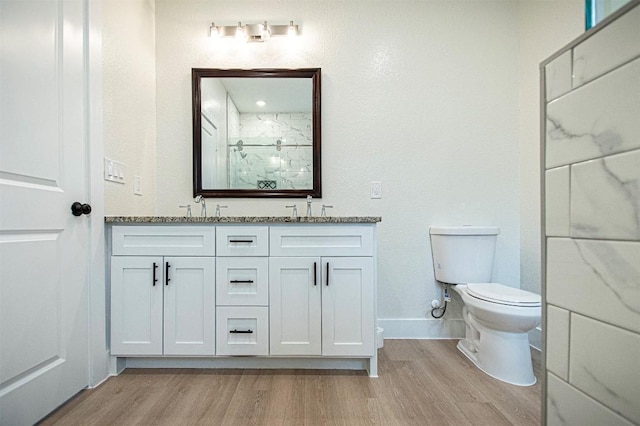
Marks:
<point>309,206</point>
<point>294,212</point>
<point>324,210</point>
<point>188,207</point>
<point>203,211</point>
<point>218,207</point>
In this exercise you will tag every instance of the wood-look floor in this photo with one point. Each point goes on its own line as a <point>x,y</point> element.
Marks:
<point>422,382</point>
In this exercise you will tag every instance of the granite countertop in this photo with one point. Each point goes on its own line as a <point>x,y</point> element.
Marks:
<point>241,219</point>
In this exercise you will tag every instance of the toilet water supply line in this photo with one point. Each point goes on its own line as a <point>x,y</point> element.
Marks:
<point>438,305</point>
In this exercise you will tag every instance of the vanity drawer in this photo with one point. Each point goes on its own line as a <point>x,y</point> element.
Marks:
<point>242,330</point>
<point>242,241</point>
<point>321,240</point>
<point>161,240</point>
<point>242,281</point>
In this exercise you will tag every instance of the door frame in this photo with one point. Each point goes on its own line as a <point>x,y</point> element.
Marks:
<point>97,301</point>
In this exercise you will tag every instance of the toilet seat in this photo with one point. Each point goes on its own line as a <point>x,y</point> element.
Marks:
<point>504,295</point>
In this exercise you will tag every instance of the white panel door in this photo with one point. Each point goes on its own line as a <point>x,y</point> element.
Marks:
<point>189,305</point>
<point>137,283</point>
<point>43,170</point>
<point>347,306</point>
<point>294,306</point>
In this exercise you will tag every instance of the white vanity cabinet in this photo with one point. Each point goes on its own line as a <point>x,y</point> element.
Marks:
<point>243,295</point>
<point>162,291</point>
<point>322,305</point>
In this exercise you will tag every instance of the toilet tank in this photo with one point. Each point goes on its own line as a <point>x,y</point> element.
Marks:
<point>463,254</point>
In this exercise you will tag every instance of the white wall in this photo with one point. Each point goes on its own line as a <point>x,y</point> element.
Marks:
<point>431,106</point>
<point>129,93</point>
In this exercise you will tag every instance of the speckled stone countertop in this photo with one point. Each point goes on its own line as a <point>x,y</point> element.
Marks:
<point>241,219</point>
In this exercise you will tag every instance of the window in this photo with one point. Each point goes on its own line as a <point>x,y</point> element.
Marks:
<point>597,10</point>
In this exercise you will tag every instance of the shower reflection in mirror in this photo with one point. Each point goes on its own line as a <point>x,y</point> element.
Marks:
<point>256,145</point>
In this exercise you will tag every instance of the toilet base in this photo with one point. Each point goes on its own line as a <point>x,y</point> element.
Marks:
<point>510,363</point>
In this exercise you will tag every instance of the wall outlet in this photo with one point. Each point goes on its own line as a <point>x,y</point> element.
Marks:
<point>376,189</point>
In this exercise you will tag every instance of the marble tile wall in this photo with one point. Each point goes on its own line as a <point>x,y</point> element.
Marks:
<point>288,163</point>
<point>592,228</point>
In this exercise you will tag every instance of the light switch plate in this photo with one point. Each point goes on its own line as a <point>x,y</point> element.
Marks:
<point>114,171</point>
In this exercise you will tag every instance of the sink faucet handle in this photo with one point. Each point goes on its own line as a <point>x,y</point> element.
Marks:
<point>188,207</point>
<point>324,210</point>
<point>294,212</point>
<point>218,207</point>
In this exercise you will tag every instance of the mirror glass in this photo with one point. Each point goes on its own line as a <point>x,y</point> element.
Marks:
<point>256,133</point>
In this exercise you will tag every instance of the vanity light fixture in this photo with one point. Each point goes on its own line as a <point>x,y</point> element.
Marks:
<point>253,32</point>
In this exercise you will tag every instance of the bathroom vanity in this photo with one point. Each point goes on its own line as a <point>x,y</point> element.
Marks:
<point>243,292</point>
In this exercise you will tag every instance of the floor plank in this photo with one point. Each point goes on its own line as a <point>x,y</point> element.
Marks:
<point>421,382</point>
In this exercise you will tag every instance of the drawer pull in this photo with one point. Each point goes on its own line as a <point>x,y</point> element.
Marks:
<point>241,241</point>
<point>234,331</point>
<point>241,281</point>
<point>155,280</point>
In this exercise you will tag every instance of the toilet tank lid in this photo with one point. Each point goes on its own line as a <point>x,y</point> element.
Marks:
<point>464,230</point>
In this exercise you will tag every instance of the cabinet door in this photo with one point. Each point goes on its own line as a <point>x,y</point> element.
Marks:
<point>294,306</point>
<point>136,305</point>
<point>189,305</point>
<point>347,306</point>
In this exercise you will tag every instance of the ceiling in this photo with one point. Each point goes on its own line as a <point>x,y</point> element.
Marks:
<point>280,94</point>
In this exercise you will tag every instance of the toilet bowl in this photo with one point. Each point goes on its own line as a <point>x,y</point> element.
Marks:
<point>496,331</point>
<point>497,317</point>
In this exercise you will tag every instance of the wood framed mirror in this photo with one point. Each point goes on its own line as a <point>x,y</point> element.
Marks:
<point>256,132</point>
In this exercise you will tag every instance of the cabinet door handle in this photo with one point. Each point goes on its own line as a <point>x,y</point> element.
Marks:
<point>241,281</point>
<point>241,241</point>
<point>315,273</point>
<point>327,274</point>
<point>155,280</point>
<point>166,273</point>
<point>234,331</point>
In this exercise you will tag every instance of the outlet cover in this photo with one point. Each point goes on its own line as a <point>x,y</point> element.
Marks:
<point>376,189</point>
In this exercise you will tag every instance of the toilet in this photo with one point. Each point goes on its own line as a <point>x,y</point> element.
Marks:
<point>497,317</point>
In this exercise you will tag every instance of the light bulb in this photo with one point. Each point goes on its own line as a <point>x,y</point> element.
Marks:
<point>240,35</point>
<point>213,31</point>
<point>292,30</point>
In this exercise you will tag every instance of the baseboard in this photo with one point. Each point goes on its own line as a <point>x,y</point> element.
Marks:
<point>422,328</point>
<point>535,338</point>
<point>250,362</point>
